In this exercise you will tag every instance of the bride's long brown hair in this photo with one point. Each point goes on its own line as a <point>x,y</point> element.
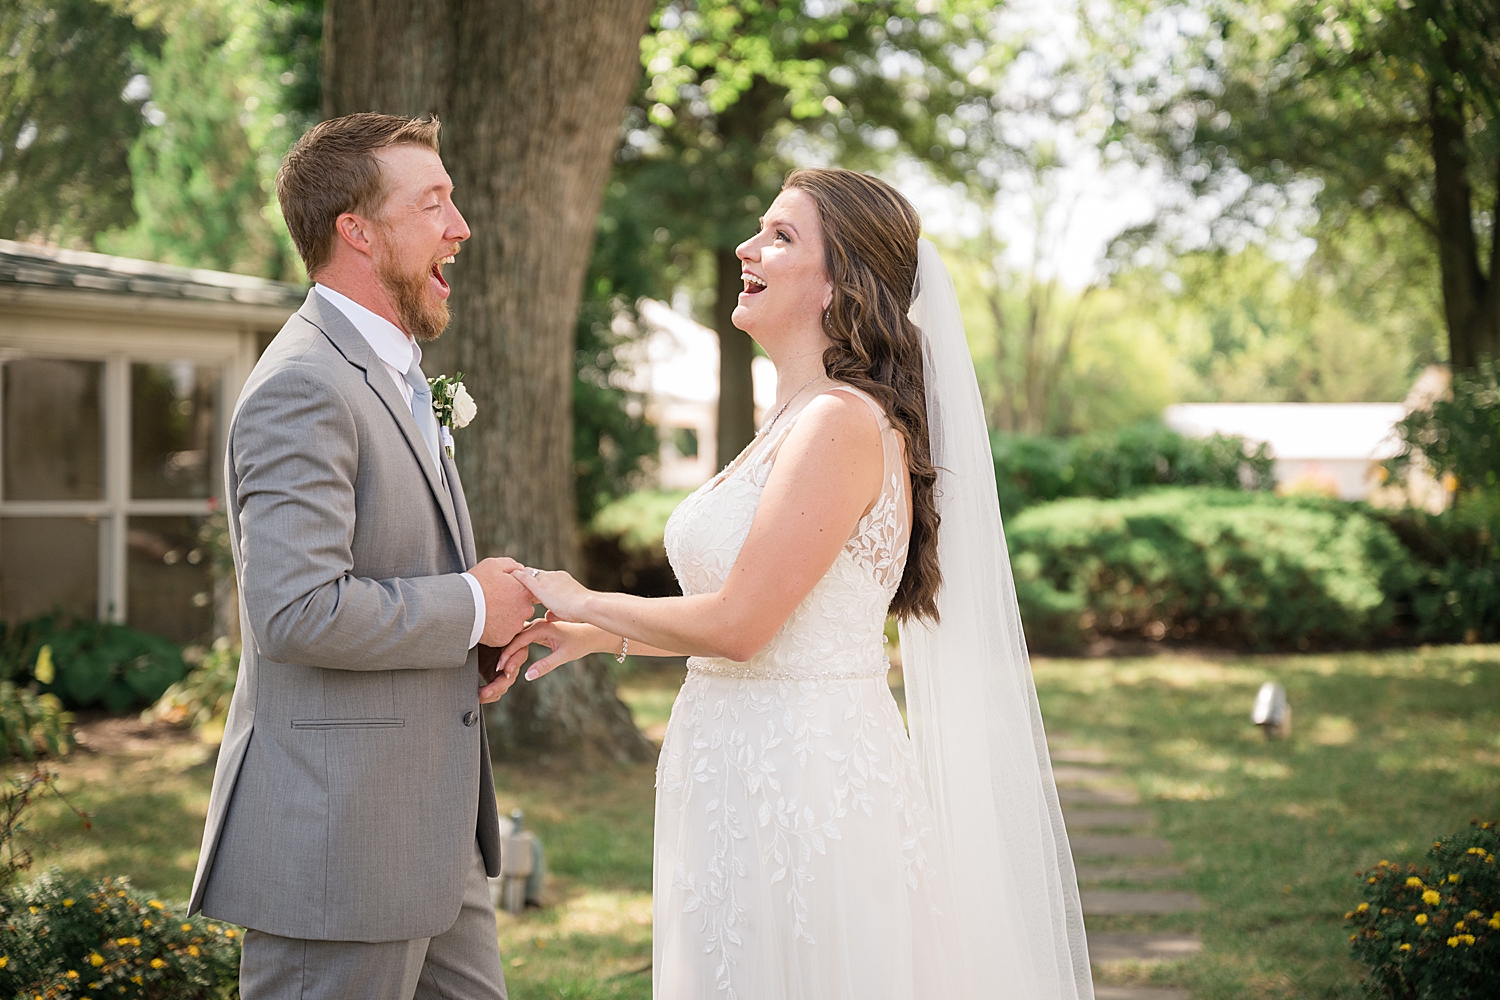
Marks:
<point>870,235</point>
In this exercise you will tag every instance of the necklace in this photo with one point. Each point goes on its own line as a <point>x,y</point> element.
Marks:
<point>788,402</point>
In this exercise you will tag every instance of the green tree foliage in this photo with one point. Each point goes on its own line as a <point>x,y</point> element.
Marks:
<point>202,169</point>
<point>737,91</point>
<point>1390,106</point>
<point>69,114</point>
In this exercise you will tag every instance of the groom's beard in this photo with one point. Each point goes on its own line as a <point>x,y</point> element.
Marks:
<point>421,316</point>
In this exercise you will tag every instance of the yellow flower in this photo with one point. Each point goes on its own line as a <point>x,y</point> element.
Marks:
<point>1431,897</point>
<point>72,974</point>
<point>1459,926</point>
<point>1475,850</point>
<point>231,933</point>
<point>1453,878</point>
<point>122,942</point>
<point>96,960</point>
<point>157,963</point>
<point>1473,915</point>
<point>138,979</point>
<point>4,961</point>
<point>193,950</point>
<point>1349,915</point>
<point>145,923</point>
<point>1405,947</point>
<point>1453,942</point>
<point>187,927</point>
<point>1421,920</point>
<point>121,894</point>
<point>155,904</point>
<point>1362,907</point>
<point>33,910</point>
<point>67,903</point>
<point>1414,882</point>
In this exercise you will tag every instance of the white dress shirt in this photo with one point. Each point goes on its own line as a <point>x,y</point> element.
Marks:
<point>396,352</point>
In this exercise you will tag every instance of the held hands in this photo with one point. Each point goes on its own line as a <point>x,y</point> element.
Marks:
<point>567,641</point>
<point>507,604</point>
<point>563,595</point>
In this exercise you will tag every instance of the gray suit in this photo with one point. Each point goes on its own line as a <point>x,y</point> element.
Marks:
<point>353,780</point>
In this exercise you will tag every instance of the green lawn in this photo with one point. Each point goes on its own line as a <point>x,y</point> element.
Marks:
<point>1389,750</point>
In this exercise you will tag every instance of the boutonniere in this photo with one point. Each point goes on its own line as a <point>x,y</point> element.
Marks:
<point>452,404</point>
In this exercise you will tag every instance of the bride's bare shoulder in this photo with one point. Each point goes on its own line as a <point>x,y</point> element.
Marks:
<point>837,430</point>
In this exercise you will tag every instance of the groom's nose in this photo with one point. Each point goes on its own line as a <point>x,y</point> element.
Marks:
<point>458,229</point>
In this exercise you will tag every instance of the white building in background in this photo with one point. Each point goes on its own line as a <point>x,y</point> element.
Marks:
<point>675,366</point>
<point>1332,448</point>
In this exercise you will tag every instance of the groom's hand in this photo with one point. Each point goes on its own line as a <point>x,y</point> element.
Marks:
<point>507,604</point>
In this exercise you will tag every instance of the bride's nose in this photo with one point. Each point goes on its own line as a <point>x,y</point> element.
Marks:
<point>748,250</point>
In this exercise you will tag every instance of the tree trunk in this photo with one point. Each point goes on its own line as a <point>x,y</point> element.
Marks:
<point>736,352</point>
<point>531,96</point>
<point>1471,302</point>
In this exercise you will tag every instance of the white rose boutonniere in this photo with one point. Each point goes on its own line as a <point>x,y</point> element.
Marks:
<point>452,404</point>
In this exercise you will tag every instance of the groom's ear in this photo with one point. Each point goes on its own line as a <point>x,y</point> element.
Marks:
<point>354,230</point>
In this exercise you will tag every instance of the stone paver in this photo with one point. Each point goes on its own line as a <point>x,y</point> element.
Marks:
<point>1138,993</point>
<point>1129,873</point>
<point>1098,796</point>
<point>1083,819</point>
<point>1105,949</point>
<point>1123,902</point>
<point>1104,845</point>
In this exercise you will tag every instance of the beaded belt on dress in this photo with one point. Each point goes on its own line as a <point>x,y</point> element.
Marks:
<point>768,669</point>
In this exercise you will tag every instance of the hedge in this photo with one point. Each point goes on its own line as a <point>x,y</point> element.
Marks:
<point>1227,568</point>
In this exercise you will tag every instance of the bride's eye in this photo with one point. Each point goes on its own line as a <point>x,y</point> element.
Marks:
<point>780,235</point>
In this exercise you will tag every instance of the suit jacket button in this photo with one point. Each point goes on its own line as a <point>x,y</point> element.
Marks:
<point>470,718</point>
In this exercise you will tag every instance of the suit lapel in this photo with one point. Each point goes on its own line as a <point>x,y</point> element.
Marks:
<point>357,351</point>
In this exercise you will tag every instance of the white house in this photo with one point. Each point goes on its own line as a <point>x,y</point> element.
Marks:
<point>116,377</point>
<point>1334,448</point>
<point>675,365</point>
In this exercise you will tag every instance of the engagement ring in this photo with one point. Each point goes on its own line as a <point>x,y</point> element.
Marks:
<point>535,572</point>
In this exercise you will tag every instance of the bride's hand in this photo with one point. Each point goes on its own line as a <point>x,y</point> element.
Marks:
<point>563,595</point>
<point>567,642</point>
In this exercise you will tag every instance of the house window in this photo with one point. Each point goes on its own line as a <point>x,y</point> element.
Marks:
<point>108,467</point>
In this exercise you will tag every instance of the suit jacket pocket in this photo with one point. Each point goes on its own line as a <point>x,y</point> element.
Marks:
<point>348,723</point>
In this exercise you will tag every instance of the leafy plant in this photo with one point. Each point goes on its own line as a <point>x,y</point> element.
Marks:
<point>1247,570</point>
<point>99,663</point>
<point>32,723</point>
<point>64,936</point>
<point>1030,469</point>
<point>1457,596</point>
<point>1433,933</point>
<point>201,699</point>
<point>1459,437</point>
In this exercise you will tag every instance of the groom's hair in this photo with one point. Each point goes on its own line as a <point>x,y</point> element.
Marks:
<point>332,169</point>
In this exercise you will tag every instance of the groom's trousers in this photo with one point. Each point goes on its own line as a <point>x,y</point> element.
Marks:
<point>462,963</point>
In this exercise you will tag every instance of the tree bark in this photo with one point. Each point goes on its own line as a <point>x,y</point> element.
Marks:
<point>1471,301</point>
<point>736,352</point>
<point>531,94</point>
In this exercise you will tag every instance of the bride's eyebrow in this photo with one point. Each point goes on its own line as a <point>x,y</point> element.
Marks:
<point>783,224</point>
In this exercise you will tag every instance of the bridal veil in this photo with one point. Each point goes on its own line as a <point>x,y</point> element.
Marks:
<point>975,722</point>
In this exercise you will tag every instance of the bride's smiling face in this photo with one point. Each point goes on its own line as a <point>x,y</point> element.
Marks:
<point>786,285</point>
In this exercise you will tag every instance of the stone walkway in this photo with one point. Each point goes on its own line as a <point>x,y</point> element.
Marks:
<point>1112,844</point>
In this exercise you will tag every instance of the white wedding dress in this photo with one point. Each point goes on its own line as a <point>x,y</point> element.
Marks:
<point>795,853</point>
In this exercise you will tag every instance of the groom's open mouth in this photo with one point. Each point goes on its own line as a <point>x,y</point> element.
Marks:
<point>437,275</point>
<point>753,284</point>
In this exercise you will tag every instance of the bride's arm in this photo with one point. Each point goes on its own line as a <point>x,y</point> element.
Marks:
<point>825,478</point>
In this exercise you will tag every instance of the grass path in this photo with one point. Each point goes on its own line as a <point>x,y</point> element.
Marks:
<point>1389,750</point>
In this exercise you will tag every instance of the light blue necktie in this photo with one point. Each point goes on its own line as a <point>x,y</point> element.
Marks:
<point>421,407</point>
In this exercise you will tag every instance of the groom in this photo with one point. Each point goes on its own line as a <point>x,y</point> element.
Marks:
<point>353,818</point>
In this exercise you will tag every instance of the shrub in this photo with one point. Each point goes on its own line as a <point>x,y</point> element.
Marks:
<point>201,699</point>
<point>1433,933</point>
<point>1030,470</point>
<point>1456,597</point>
<point>32,724</point>
<point>1459,436</point>
<point>623,548</point>
<point>64,936</point>
<point>1248,570</point>
<point>90,663</point>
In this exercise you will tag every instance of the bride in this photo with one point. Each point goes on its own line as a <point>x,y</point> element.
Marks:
<point>806,847</point>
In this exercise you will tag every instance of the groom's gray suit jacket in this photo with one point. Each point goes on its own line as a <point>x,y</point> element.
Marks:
<point>354,774</point>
